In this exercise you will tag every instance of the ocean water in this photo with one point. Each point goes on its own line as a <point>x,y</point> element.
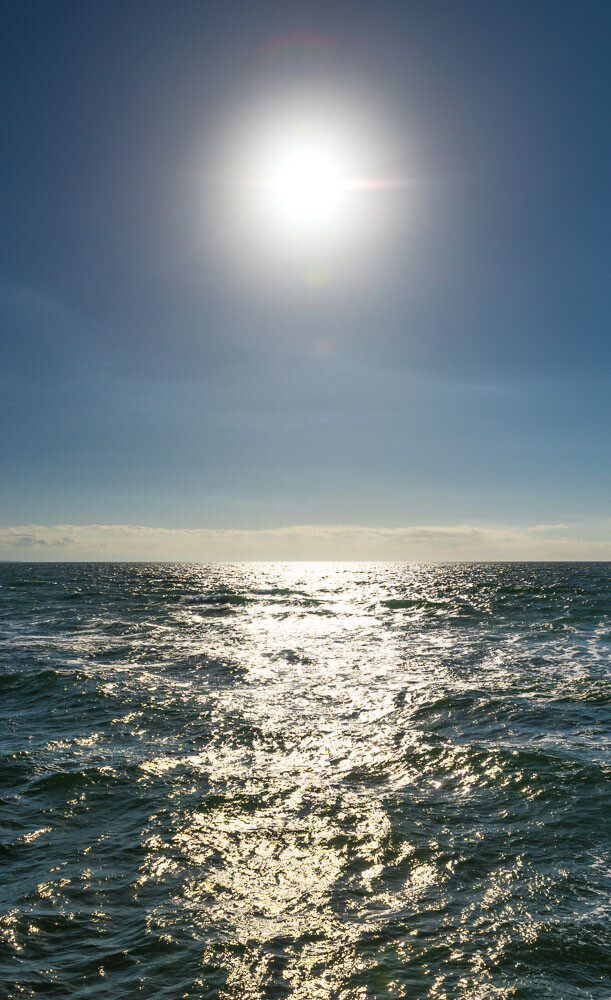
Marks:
<point>305,781</point>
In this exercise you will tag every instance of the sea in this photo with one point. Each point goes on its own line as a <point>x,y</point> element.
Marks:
<point>357,781</point>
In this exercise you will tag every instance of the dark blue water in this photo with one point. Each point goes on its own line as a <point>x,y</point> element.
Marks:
<point>305,781</point>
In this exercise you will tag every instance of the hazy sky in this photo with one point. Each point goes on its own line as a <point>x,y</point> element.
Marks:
<point>438,375</point>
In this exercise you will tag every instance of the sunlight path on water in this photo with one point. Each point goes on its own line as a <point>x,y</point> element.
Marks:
<point>306,780</point>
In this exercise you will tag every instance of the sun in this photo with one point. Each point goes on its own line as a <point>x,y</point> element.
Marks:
<point>304,186</point>
<point>300,187</point>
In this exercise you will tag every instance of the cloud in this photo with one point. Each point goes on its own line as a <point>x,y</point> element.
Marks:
<point>414,542</point>
<point>549,527</point>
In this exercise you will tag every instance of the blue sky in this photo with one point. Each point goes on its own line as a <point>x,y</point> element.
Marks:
<point>164,369</point>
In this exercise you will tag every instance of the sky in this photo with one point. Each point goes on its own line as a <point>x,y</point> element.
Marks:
<point>182,380</point>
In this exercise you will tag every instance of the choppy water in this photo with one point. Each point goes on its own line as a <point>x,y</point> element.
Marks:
<point>305,781</point>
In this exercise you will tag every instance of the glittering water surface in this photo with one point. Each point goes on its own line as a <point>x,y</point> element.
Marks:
<point>305,780</point>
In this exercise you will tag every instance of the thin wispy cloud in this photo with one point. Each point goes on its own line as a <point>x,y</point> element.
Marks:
<point>549,527</point>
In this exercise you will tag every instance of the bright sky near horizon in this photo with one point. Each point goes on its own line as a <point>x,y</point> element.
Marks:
<point>340,268</point>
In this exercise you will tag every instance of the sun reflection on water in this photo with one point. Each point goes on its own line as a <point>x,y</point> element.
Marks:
<point>311,781</point>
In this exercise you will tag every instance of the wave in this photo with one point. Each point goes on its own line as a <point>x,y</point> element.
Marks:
<point>224,597</point>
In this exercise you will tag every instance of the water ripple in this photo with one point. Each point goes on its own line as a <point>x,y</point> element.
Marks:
<point>309,781</point>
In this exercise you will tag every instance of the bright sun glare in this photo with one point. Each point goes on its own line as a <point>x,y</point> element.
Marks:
<point>304,185</point>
